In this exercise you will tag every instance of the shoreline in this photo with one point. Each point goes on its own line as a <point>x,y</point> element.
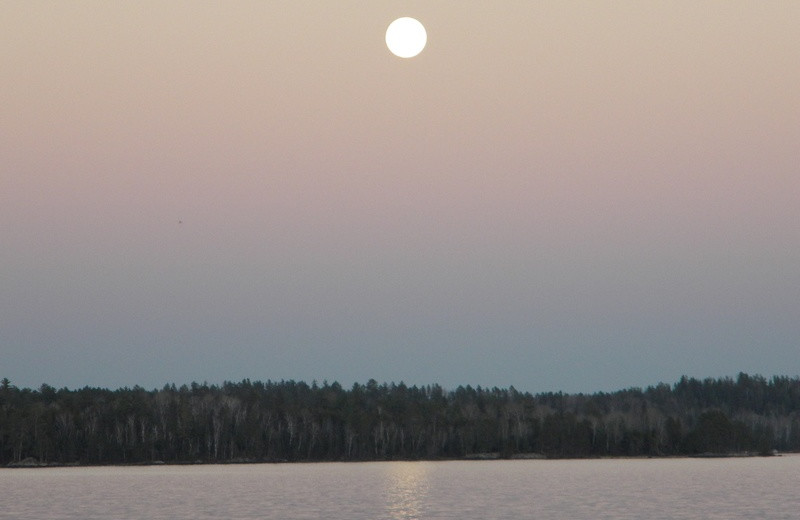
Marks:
<point>31,463</point>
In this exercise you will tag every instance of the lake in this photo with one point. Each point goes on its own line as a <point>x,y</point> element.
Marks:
<point>735,488</point>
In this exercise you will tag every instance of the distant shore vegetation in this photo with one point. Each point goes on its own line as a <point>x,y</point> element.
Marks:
<point>253,421</point>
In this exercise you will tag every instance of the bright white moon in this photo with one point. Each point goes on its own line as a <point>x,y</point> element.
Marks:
<point>406,37</point>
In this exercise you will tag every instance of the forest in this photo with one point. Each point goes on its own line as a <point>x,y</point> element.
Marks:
<point>253,421</point>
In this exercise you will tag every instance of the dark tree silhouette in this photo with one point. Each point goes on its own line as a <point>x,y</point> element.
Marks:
<point>292,421</point>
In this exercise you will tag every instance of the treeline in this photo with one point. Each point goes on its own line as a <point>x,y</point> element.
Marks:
<point>294,421</point>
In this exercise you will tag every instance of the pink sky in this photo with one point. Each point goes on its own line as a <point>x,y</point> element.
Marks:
<point>554,195</point>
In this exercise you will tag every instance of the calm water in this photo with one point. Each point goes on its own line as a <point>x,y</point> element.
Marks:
<point>764,488</point>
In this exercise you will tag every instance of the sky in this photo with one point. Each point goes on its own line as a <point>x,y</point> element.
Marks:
<point>576,196</point>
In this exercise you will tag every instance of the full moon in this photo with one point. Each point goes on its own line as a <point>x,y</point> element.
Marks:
<point>406,37</point>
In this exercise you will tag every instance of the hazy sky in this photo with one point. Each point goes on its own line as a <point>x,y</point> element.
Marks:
<point>554,195</point>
